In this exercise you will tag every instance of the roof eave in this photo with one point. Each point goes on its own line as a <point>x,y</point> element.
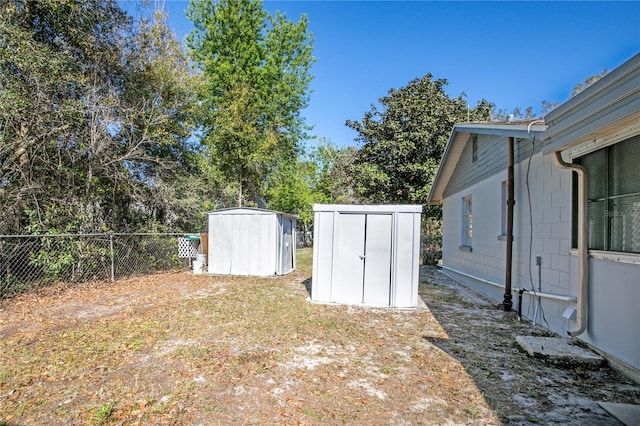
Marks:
<point>450,158</point>
<point>458,139</point>
<point>607,105</point>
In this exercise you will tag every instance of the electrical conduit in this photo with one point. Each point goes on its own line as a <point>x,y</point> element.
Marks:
<point>583,254</point>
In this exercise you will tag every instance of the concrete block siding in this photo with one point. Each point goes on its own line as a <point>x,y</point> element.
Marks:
<point>487,258</point>
<point>605,114</point>
<point>551,236</point>
<point>611,301</point>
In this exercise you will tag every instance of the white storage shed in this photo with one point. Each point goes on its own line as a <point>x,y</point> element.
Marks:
<point>366,254</point>
<point>249,241</point>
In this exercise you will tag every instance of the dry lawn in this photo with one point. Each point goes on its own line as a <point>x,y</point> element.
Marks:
<point>197,350</point>
<point>184,349</point>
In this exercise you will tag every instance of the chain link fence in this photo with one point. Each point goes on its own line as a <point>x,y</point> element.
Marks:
<point>28,262</point>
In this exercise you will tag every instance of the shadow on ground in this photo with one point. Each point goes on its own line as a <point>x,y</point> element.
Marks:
<point>520,389</point>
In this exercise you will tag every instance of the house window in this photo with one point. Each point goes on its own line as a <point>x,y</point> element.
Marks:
<point>503,209</point>
<point>613,206</point>
<point>467,222</point>
<point>474,148</point>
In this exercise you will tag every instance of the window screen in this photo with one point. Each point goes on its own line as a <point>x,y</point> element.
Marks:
<point>613,212</point>
<point>503,201</point>
<point>467,221</point>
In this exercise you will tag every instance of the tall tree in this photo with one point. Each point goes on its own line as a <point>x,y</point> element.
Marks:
<point>291,189</point>
<point>256,71</point>
<point>334,172</point>
<point>588,82</point>
<point>403,141</point>
<point>156,122</point>
<point>53,57</point>
<point>92,116</point>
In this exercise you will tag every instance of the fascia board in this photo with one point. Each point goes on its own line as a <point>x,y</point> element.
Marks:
<point>522,131</point>
<point>450,158</point>
<point>458,140</point>
<point>595,90</point>
<point>613,98</point>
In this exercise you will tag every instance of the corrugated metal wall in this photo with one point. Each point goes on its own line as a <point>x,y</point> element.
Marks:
<point>250,242</point>
<point>366,255</point>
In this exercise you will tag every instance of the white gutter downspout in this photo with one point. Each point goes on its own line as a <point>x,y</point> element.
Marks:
<point>583,254</point>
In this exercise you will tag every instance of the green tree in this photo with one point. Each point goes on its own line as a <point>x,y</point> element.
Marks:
<point>155,123</point>
<point>403,141</point>
<point>291,189</point>
<point>93,117</point>
<point>588,82</point>
<point>334,173</point>
<point>56,59</point>
<point>256,71</point>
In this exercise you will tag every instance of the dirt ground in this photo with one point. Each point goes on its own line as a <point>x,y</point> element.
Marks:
<point>178,348</point>
<point>520,390</point>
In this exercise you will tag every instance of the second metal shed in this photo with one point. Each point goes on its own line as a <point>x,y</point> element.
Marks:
<point>366,254</point>
<point>248,241</point>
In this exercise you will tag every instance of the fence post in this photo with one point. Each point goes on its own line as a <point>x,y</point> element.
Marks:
<point>113,269</point>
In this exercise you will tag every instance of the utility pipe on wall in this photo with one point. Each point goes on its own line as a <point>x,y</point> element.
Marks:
<point>543,295</point>
<point>507,303</point>
<point>583,253</point>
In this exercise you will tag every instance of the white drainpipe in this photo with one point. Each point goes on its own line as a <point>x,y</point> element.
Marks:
<point>583,253</point>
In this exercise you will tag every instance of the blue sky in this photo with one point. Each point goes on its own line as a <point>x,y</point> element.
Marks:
<point>511,53</point>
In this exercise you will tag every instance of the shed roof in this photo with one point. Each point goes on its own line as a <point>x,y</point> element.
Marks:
<point>366,208</point>
<point>251,210</point>
<point>459,138</point>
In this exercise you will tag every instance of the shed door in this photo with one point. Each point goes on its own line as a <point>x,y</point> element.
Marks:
<point>377,271</point>
<point>287,252</point>
<point>364,259</point>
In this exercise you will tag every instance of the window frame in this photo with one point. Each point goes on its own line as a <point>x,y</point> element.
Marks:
<point>466,239</point>
<point>503,211</point>
<point>603,248</point>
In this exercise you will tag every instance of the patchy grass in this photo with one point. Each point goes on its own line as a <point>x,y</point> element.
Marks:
<point>180,348</point>
<point>519,389</point>
<point>184,349</point>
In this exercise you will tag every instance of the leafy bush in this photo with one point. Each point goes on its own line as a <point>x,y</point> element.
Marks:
<point>431,241</point>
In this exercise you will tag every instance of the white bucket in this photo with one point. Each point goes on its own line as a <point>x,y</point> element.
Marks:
<point>201,258</point>
<point>198,267</point>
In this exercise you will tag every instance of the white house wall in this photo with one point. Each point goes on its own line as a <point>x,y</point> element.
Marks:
<point>613,314</point>
<point>551,209</point>
<point>486,259</point>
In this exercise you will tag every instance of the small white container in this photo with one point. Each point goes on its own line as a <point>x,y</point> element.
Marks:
<point>198,267</point>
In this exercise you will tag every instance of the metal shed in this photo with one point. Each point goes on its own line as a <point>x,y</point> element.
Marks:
<point>249,241</point>
<point>366,254</point>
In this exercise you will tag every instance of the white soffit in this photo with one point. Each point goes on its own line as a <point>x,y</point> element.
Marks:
<point>459,138</point>
<point>610,135</point>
